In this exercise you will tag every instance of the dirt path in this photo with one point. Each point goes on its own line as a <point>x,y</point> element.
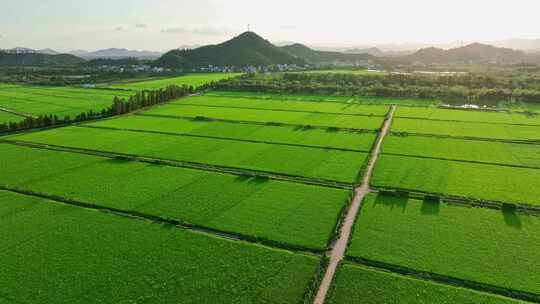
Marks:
<point>338,251</point>
<point>15,113</point>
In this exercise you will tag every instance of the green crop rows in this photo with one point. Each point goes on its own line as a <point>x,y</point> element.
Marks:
<point>274,134</point>
<point>195,80</point>
<point>466,150</point>
<point>266,116</point>
<point>60,101</point>
<point>6,117</point>
<point>359,284</point>
<point>476,244</point>
<point>66,254</point>
<point>470,180</point>
<point>277,104</point>
<point>469,115</point>
<point>283,212</point>
<point>328,98</point>
<point>467,129</point>
<point>319,163</point>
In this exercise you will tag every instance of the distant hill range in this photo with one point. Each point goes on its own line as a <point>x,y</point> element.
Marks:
<point>247,49</point>
<point>325,57</point>
<point>38,59</point>
<point>116,54</point>
<point>472,53</point>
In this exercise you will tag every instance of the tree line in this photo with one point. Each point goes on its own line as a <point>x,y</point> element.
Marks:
<point>469,87</point>
<point>119,106</point>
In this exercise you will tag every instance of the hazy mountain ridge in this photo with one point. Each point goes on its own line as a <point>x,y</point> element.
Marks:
<point>321,57</point>
<point>472,53</point>
<point>38,59</point>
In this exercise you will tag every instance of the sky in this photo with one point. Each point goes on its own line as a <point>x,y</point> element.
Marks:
<point>162,25</point>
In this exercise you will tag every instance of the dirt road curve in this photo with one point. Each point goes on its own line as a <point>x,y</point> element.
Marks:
<point>338,251</point>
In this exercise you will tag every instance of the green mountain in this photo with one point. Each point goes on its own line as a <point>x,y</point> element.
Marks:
<point>321,57</point>
<point>247,49</point>
<point>38,59</point>
<point>472,53</point>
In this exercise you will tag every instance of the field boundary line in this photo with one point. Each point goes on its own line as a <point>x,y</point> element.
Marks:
<point>472,138</point>
<point>220,138</point>
<point>458,200</point>
<point>275,110</point>
<point>472,121</point>
<point>447,280</point>
<point>262,123</point>
<point>338,251</point>
<point>460,160</point>
<point>187,164</point>
<point>2,109</point>
<point>168,221</point>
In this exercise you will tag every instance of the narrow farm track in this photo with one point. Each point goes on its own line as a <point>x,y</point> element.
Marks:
<point>338,251</point>
<point>15,113</point>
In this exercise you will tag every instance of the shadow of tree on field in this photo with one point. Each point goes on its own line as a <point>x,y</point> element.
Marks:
<point>431,206</point>
<point>392,201</point>
<point>511,218</point>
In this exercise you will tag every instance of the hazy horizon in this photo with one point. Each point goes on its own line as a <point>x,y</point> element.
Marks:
<point>163,25</point>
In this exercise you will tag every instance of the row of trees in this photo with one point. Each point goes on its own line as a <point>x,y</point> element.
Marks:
<point>119,106</point>
<point>458,87</point>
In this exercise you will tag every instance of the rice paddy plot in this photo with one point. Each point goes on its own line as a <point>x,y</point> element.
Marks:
<point>286,105</point>
<point>474,244</point>
<point>195,80</point>
<point>55,253</point>
<point>274,134</point>
<point>365,100</point>
<point>466,129</point>
<point>6,117</point>
<point>360,284</point>
<point>60,101</point>
<point>282,212</point>
<point>467,150</point>
<point>270,117</point>
<point>469,115</point>
<point>317,163</point>
<point>469,180</point>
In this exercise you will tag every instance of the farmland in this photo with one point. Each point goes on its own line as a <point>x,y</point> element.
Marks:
<point>59,101</point>
<point>195,80</point>
<point>249,132</point>
<point>475,239</point>
<point>129,260</point>
<point>6,117</point>
<point>469,116</point>
<point>268,116</point>
<point>467,129</point>
<point>335,165</point>
<point>249,207</point>
<point>513,154</point>
<point>359,284</point>
<point>469,180</point>
<point>328,98</point>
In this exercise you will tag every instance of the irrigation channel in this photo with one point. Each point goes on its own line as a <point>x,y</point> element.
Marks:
<point>338,251</point>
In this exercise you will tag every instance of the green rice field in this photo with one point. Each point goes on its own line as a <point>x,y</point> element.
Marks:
<point>360,284</point>
<point>286,105</point>
<point>272,134</point>
<point>6,117</point>
<point>258,208</point>
<point>66,254</point>
<point>470,180</point>
<point>319,163</point>
<point>477,244</point>
<point>195,80</point>
<point>466,150</point>
<point>416,102</point>
<point>469,115</point>
<point>467,129</point>
<point>269,116</point>
<point>60,101</point>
